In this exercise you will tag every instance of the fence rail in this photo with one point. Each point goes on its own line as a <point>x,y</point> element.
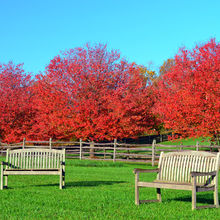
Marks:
<point>147,153</point>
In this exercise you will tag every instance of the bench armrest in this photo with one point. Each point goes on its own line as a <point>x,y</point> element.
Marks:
<point>213,173</point>
<point>146,171</point>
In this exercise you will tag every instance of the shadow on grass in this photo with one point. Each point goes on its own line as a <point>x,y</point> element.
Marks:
<point>92,183</point>
<point>97,164</point>
<point>75,184</point>
<point>208,199</point>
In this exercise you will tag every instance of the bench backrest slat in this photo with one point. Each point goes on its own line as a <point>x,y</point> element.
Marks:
<point>176,166</point>
<point>35,158</point>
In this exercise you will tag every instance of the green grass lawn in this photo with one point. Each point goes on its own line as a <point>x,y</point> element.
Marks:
<point>188,141</point>
<point>96,190</point>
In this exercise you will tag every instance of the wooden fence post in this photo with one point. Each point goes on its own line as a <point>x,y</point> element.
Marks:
<point>114,155</point>
<point>197,145</point>
<point>24,140</point>
<point>50,143</point>
<point>161,138</point>
<point>153,151</point>
<point>104,153</point>
<point>210,147</point>
<point>80,149</point>
<point>92,150</point>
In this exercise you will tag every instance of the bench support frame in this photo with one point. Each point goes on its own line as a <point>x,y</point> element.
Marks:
<point>49,168</point>
<point>193,186</point>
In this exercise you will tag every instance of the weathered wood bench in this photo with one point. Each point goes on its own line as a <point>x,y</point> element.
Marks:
<point>33,162</point>
<point>190,170</point>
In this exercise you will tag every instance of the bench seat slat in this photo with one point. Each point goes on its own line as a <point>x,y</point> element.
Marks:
<point>168,185</point>
<point>32,169</point>
<point>32,172</point>
<point>177,168</point>
<point>213,168</point>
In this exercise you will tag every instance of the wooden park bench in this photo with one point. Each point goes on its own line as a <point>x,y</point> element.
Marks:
<point>189,170</point>
<point>33,162</point>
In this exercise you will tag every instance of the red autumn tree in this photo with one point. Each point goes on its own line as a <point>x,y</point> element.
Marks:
<point>166,66</point>
<point>15,106</point>
<point>189,93</point>
<point>93,94</point>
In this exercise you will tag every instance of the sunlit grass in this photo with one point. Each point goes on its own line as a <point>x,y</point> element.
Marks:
<point>188,141</point>
<point>96,190</point>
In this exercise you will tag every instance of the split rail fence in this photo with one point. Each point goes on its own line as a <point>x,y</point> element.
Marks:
<point>114,151</point>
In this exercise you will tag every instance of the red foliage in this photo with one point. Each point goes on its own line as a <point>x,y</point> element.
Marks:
<point>189,94</point>
<point>93,94</point>
<point>15,107</point>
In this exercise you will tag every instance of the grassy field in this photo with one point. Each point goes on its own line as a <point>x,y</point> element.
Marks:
<point>189,141</point>
<point>96,190</point>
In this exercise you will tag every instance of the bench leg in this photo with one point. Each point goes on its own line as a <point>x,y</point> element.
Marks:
<point>137,201</point>
<point>193,199</point>
<point>2,178</point>
<point>6,181</point>
<point>63,175</point>
<point>194,193</point>
<point>216,202</point>
<point>159,195</point>
<point>2,182</point>
<point>61,180</point>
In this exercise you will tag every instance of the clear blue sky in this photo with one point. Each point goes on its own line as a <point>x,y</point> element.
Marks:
<point>34,31</point>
